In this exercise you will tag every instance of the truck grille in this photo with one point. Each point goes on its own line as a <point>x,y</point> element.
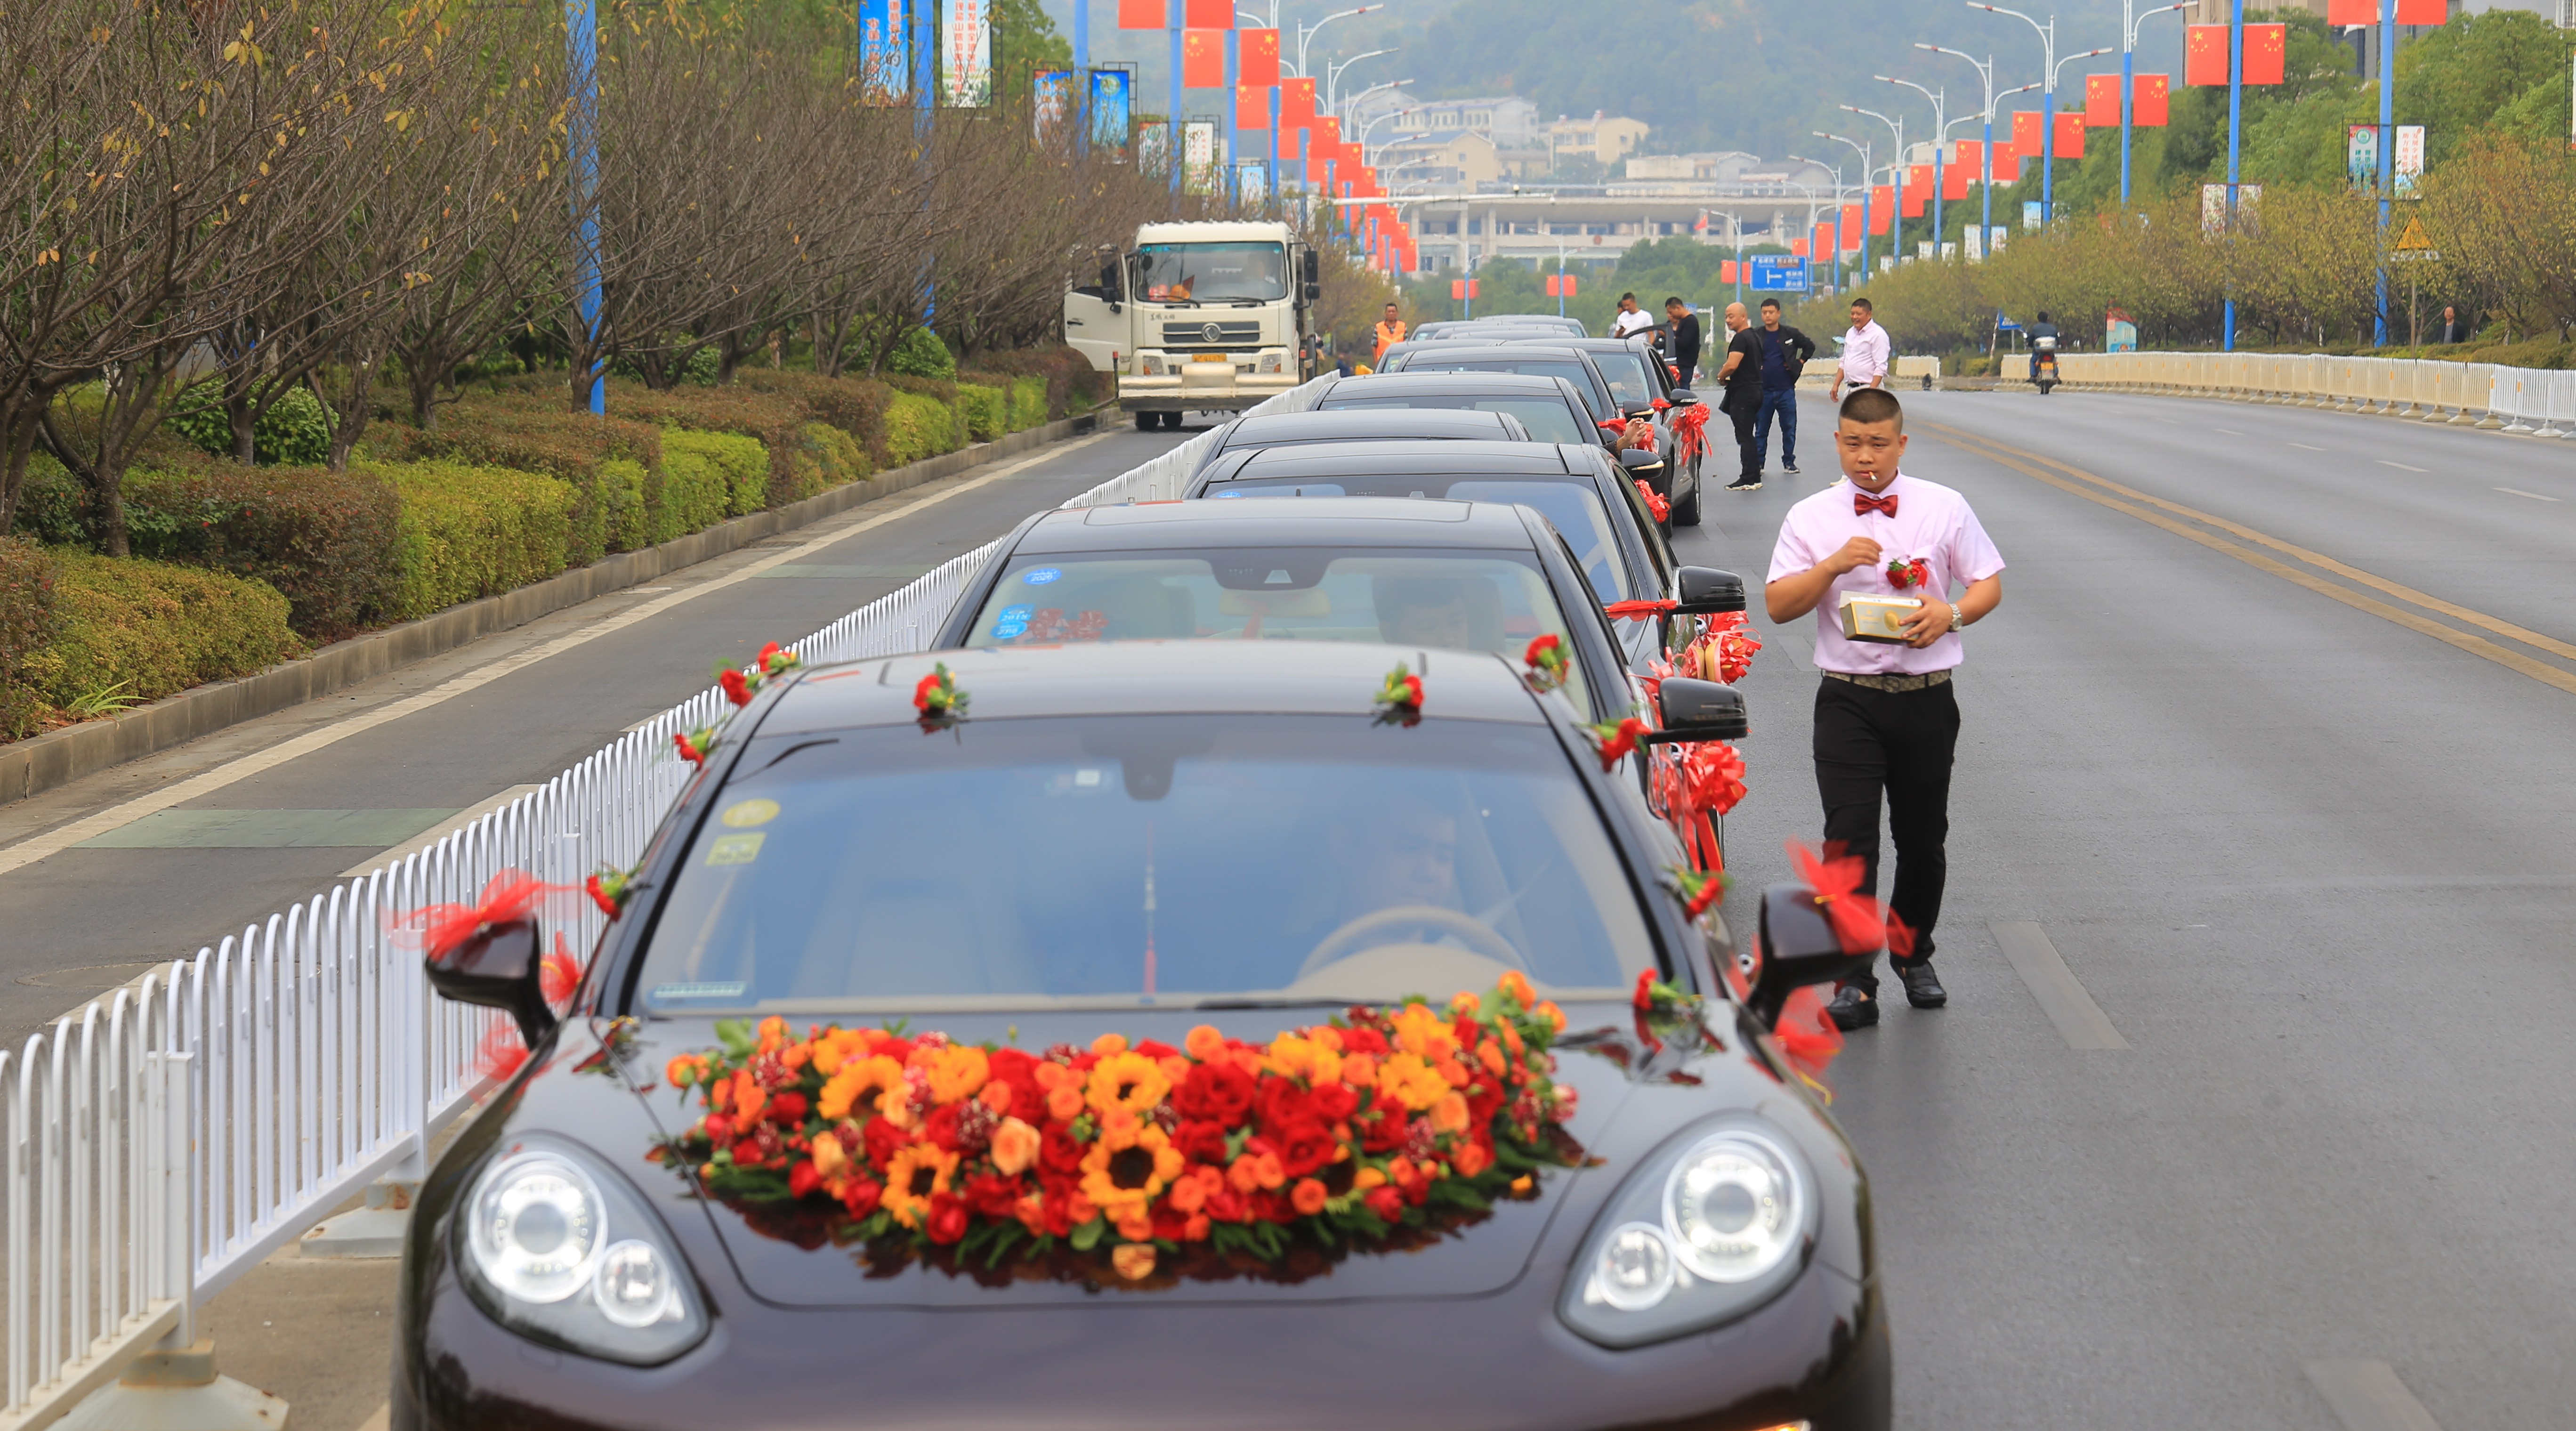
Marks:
<point>1212,334</point>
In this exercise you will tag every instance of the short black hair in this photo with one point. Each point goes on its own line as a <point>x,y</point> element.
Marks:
<point>1628,297</point>
<point>1770,302</point>
<point>1675,303</point>
<point>1873,405</point>
<point>1863,305</point>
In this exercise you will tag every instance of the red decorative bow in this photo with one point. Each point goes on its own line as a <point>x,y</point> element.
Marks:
<point>1702,779</point>
<point>1660,509</point>
<point>502,1050</point>
<point>1660,404</point>
<point>436,930</point>
<point>1638,610</point>
<point>1690,432</point>
<point>1807,1038</point>
<point>1864,503</point>
<point>1857,921</point>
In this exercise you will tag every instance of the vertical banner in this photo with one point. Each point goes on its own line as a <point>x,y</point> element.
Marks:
<point>1154,145</point>
<point>2030,220</point>
<point>2102,101</point>
<point>1976,248</point>
<point>2204,54</point>
<point>1850,229</point>
<point>2267,53</point>
<point>885,62</point>
<point>1051,93</point>
<point>2361,155</point>
<point>1882,207</point>
<point>966,54</point>
<point>1252,181</point>
<point>2026,132</point>
<point>1203,59</point>
<point>1257,61</point>
<point>2410,159</point>
<point>1198,156</point>
<point>1142,14</point>
<point>1207,14</point>
<point>1252,107</point>
<point>1111,113</point>
<point>2070,134</point>
<point>2150,101</point>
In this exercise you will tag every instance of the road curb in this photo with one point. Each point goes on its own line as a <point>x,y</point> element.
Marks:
<point>56,758</point>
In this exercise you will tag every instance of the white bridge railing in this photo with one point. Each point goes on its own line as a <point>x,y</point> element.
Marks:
<point>2539,402</point>
<point>163,1139</point>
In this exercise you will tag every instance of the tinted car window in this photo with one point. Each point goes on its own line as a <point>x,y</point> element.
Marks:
<point>1574,507</point>
<point>1629,381</point>
<point>1547,419</point>
<point>1152,859</point>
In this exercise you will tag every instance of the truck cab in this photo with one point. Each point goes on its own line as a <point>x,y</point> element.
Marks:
<point>1197,317</point>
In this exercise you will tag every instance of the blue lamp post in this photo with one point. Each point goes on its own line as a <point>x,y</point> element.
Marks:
<point>1940,148</point>
<point>2129,79</point>
<point>581,137</point>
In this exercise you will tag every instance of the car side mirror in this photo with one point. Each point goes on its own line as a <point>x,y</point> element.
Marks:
<point>499,968</point>
<point>1640,459</point>
<point>1684,397</point>
<point>1707,591</point>
<point>1799,948</point>
<point>1314,293</point>
<point>1698,710</point>
<point>1311,270</point>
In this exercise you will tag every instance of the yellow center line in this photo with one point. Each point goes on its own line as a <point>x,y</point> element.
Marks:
<point>2477,646</point>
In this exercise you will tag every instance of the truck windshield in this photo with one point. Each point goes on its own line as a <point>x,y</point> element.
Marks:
<point>1212,272</point>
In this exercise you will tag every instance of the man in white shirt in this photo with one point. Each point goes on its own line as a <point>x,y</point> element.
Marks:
<point>1866,352</point>
<point>1887,720</point>
<point>1630,320</point>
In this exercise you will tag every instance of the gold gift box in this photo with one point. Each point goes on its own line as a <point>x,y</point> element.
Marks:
<point>1877,618</point>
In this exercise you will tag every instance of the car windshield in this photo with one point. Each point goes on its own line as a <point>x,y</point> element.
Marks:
<point>1430,361</point>
<point>1548,419</point>
<point>1468,601</point>
<point>1159,860</point>
<point>1629,381</point>
<point>1570,503</point>
<point>1211,272</point>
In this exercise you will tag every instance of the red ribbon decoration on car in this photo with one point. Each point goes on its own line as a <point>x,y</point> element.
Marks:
<point>1705,778</point>
<point>1656,506</point>
<point>1690,432</point>
<point>1857,921</point>
<point>1807,1038</point>
<point>437,929</point>
<point>1639,610</point>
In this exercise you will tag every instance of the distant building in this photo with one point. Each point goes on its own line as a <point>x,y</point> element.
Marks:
<point>1451,160</point>
<point>1509,122</point>
<point>1730,168</point>
<point>1608,138</point>
<point>2218,12</point>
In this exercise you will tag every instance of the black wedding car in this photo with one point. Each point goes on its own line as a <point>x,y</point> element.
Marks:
<point>1138,839</point>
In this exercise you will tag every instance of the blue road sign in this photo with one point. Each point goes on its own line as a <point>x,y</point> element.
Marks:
<point>1778,273</point>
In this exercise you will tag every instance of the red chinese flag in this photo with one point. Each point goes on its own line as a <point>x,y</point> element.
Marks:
<point>2026,133</point>
<point>2007,165</point>
<point>1726,270</point>
<point>1328,132</point>
<point>1966,158</point>
<point>1252,106</point>
<point>1457,289</point>
<point>2150,100</point>
<point>1208,14</point>
<point>1822,245</point>
<point>1551,285</point>
<point>2204,54</point>
<point>2070,134</point>
<point>2366,12</point>
<point>2267,50</point>
<point>1203,59</point>
<point>1297,104</point>
<point>1915,199</point>
<point>1851,226</point>
<point>1918,178</point>
<point>1955,179</point>
<point>1882,207</point>
<point>1797,248</point>
<point>1256,57</point>
<point>2102,101</point>
<point>1143,15</point>
<point>1569,283</point>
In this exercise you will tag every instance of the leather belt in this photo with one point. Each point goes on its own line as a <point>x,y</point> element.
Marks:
<point>1890,683</point>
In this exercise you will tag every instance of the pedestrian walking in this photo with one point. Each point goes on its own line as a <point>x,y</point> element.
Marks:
<point>1630,320</point>
<point>1390,331</point>
<point>2453,329</point>
<point>1683,352</point>
<point>1887,715</point>
<point>1785,352</point>
<point>1741,373</point>
<point>1866,352</point>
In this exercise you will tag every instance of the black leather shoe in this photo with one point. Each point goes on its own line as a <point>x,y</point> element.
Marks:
<point>1922,987</point>
<point>1852,1008</point>
<point>1789,467</point>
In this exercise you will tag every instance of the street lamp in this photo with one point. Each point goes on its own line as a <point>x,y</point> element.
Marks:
<point>1896,174</point>
<point>1333,75</point>
<point>1306,33</point>
<point>2129,78</point>
<point>1865,172</point>
<point>1381,119</point>
<point>1940,146</point>
<point>2048,137</point>
<point>1986,153</point>
<point>2047,97</point>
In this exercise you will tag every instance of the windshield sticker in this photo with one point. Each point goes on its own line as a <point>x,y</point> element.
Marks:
<point>1042,575</point>
<point>749,813</point>
<point>662,992</point>
<point>736,849</point>
<point>1050,624</point>
<point>1223,496</point>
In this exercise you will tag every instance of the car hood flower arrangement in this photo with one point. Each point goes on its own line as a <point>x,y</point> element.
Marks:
<point>1384,1127</point>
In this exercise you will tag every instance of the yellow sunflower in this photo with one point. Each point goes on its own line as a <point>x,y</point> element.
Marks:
<point>956,1072</point>
<point>1127,1080</point>
<point>854,1079</point>
<point>1125,1172</point>
<point>918,1171</point>
<point>1404,1078</point>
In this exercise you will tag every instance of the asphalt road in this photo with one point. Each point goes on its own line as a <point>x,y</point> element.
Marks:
<point>2254,1109</point>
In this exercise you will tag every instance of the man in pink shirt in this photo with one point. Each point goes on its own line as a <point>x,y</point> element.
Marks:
<point>1887,721</point>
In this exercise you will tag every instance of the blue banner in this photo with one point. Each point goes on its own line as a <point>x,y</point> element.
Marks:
<point>885,52</point>
<point>1778,273</point>
<point>1053,89</point>
<point>1110,109</point>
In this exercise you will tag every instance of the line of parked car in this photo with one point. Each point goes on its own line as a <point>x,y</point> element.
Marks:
<point>1073,979</point>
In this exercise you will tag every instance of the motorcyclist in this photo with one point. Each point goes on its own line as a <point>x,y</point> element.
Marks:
<point>2043,351</point>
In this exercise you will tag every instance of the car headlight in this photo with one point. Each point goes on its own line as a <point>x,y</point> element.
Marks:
<point>1150,365</point>
<point>1271,363</point>
<point>1712,1226</point>
<point>564,1254</point>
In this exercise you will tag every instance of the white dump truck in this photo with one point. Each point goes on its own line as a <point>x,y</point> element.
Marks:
<point>1198,317</point>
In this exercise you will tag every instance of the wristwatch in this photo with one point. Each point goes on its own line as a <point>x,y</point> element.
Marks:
<point>1958,618</point>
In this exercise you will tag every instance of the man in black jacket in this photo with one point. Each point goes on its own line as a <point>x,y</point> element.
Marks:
<point>1785,352</point>
<point>1684,352</point>
<point>1742,375</point>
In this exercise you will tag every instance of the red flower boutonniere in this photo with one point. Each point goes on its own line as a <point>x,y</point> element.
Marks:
<point>1699,889</point>
<point>1654,996</point>
<point>777,660</point>
<point>609,888</point>
<point>1546,660</point>
<point>938,699</point>
<point>1661,510</point>
<point>695,745</point>
<point>1399,701</point>
<point>1616,742</point>
<point>737,686</point>
<point>1902,574</point>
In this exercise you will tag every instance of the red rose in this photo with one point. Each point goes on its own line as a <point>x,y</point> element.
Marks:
<point>1482,1107</point>
<point>1169,1225</point>
<point>1386,1202</point>
<point>1284,1103</point>
<point>736,688</point>
<point>719,1129</point>
<point>884,1140</point>
<point>1274,1206</point>
<point>1227,1205</point>
<point>1363,1040</point>
<point>787,1110</point>
<point>860,1197</point>
<point>947,1220</point>
<point>1384,1133</point>
<point>1218,1093</point>
<point>1019,1072</point>
<point>1201,1142</point>
<point>1059,1211</point>
<point>1156,1049</point>
<point>1058,1152</point>
<point>1335,1101</point>
<point>992,1195</point>
<point>941,1126</point>
<point>803,1178</point>
<point>1304,1147</point>
<point>746,1154</point>
<point>1645,996</point>
<point>900,1050</point>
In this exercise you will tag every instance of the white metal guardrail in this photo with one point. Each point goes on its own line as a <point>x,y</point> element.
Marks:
<point>163,1139</point>
<point>2536,401</point>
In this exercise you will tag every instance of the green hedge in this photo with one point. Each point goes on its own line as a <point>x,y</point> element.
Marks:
<point>917,427</point>
<point>146,629</point>
<point>321,539</point>
<point>821,458</point>
<point>709,476</point>
<point>470,532</point>
<point>986,412</point>
<point>539,433</point>
<point>295,431</point>
<point>28,581</point>
<point>854,405</point>
<point>767,416</point>
<point>1028,403</point>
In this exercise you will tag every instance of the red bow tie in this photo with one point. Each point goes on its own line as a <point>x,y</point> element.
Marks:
<point>1863,504</point>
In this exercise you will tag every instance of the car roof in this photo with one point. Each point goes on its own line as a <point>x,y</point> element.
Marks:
<point>1442,383</point>
<point>1586,345</point>
<point>1328,459</point>
<point>1362,424</point>
<point>1123,678</point>
<point>1496,334</point>
<point>1312,522</point>
<point>1500,350</point>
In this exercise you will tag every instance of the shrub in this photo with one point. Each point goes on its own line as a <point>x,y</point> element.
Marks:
<point>922,355</point>
<point>145,629</point>
<point>856,406</point>
<point>701,368</point>
<point>1072,384</point>
<point>917,427</point>
<point>694,491</point>
<point>470,532</point>
<point>768,417</point>
<point>984,411</point>
<point>321,539</point>
<point>533,433</point>
<point>53,506</point>
<point>821,458</point>
<point>628,491</point>
<point>741,466</point>
<point>1028,403</point>
<point>28,619</point>
<point>296,429</point>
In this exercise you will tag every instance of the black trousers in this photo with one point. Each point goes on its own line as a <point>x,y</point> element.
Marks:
<point>1898,744</point>
<point>1748,448</point>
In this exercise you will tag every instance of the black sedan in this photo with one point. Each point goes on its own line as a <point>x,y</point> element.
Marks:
<point>1643,387</point>
<point>1545,360</point>
<point>1473,575</point>
<point>1549,407</point>
<point>1168,901</point>
<point>1296,429</point>
<point>1446,326</point>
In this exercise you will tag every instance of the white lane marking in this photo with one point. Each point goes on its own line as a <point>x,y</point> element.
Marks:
<point>2367,1396</point>
<point>2400,466</point>
<point>2518,492</point>
<point>2225,430</point>
<point>2079,1020</point>
<point>54,841</point>
<point>437,832</point>
<point>2303,447</point>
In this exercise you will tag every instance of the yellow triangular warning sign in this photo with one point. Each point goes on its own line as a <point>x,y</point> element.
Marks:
<point>2413,239</point>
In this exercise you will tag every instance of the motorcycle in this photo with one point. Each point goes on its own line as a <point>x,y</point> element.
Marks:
<point>2043,363</point>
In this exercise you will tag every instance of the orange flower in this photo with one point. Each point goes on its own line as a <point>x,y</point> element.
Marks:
<point>1405,1079</point>
<point>1490,1054</point>
<point>829,1160</point>
<point>1308,1197</point>
<point>685,1069</point>
<point>1064,1101</point>
<point>1465,1003</point>
<point>1470,1159</point>
<point>1420,1031</point>
<point>1190,1193</point>
<point>837,1047</point>
<point>1134,1260</point>
<point>996,1096</point>
<point>1454,1072</point>
<point>1137,1229</point>
<point>1127,1169</point>
<point>1195,1229</point>
<point>1126,1080</point>
<point>1204,1043</point>
<point>1256,1170</point>
<point>1547,1009</point>
<point>1291,1056</point>
<point>1109,1043</point>
<point>919,1171</point>
<point>1359,1070</point>
<point>1015,1146</point>
<point>1051,1075</point>
<point>957,1071</point>
<point>1327,1035</point>
<point>1367,1178</point>
<point>1449,1115</point>
<point>1175,1068</point>
<point>1517,985</point>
